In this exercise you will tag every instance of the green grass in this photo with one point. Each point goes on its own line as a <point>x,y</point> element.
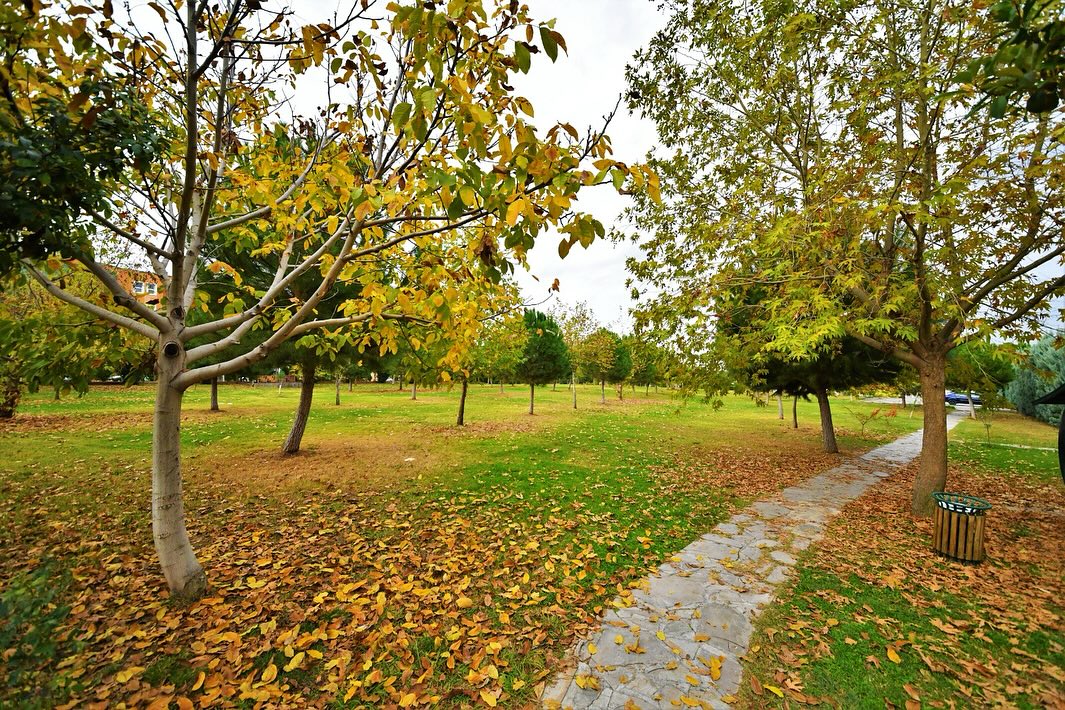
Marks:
<point>1018,445</point>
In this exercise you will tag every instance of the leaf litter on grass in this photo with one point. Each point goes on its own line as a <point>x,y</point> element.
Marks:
<point>876,617</point>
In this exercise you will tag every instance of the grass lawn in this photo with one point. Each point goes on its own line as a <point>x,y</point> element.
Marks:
<point>875,619</point>
<point>396,561</point>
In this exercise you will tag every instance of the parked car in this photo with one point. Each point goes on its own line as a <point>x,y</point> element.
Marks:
<point>961,398</point>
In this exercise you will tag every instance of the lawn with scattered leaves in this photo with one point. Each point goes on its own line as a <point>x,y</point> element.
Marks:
<point>876,619</point>
<point>397,561</point>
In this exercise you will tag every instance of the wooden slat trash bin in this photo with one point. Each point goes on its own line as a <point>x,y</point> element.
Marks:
<point>959,526</point>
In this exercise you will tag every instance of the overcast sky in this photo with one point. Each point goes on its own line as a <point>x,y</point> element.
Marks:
<point>602,36</point>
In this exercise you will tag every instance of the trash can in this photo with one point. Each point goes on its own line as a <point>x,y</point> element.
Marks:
<point>959,526</point>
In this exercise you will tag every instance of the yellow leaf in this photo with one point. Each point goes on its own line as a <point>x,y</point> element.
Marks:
<point>689,701</point>
<point>592,649</point>
<point>692,680</point>
<point>661,635</point>
<point>893,656</point>
<point>464,603</point>
<point>199,681</point>
<point>489,698</point>
<point>514,211</point>
<point>518,685</point>
<point>269,673</point>
<point>619,639</point>
<point>123,676</point>
<point>407,700</point>
<point>295,663</point>
<point>774,690</point>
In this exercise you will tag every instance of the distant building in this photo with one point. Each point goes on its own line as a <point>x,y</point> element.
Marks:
<point>145,286</point>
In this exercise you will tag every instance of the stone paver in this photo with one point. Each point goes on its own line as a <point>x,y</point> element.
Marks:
<point>677,637</point>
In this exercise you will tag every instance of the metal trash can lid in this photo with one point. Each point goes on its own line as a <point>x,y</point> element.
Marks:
<point>958,503</point>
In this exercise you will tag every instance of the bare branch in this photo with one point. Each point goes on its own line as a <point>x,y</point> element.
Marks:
<point>102,313</point>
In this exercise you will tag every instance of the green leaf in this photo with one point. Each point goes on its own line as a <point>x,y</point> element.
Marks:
<point>400,115</point>
<point>550,45</point>
<point>522,56</point>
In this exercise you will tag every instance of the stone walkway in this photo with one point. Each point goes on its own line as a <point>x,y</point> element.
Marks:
<point>677,639</point>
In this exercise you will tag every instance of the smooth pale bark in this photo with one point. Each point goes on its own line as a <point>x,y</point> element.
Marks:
<point>573,387</point>
<point>184,574</point>
<point>602,391</point>
<point>828,432</point>
<point>932,472</point>
<point>461,419</point>
<point>214,394</point>
<point>414,389</point>
<point>780,406</point>
<point>795,412</point>
<point>532,397</point>
<point>303,410</point>
<point>972,407</point>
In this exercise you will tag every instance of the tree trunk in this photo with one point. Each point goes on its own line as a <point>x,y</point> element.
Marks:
<point>828,432</point>
<point>647,391</point>
<point>461,420</point>
<point>55,396</point>
<point>10,393</point>
<point>532,395</point>
<point>554,387</point>
<point>214,394</point>
<point>780,406</point>
<point>621,390</point>
<point>337,400</point>
<point>795,412</point>
<point>903,400</point>
<point>414,389</point>
<point>573,387</point>
<point>184,574</point>
<point>501,387</point>
<point>972,407</point>
<point>932,473</point>
<point>351,384</point>
<point>303,410</point>
<point>602,391</point>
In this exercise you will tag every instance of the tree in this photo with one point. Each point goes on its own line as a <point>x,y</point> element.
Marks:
<point>419,138</point>
<point>1028,63</point>
<point>648,361</point>
<point>621,367</point>
<point>598,354</point>
<point>979,367</point>
<point>821,151</point>
<point>499,349</point>
<point>575,323</point>
<point>1042,369</point>
<point>544,358</point>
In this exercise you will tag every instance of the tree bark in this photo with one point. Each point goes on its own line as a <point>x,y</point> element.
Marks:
<point>501,387</point>
<point>828,432</point>
<point>351,384</point>
<point>621,390</point>
<point>184,574</point>
<point>303,410</point>
<point>932,473</point>
<point>972,407</point>
<point>602,391</point>
<point>337,400</point>
<point>903,400</point>
<point>9,396</point>
<point>214,394</point>
<point>414,389</point>
<point>780,406</point>
<point>573,387</point>
<point>532,395</point>
<point>461,420</point>
<point>795,412</point>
